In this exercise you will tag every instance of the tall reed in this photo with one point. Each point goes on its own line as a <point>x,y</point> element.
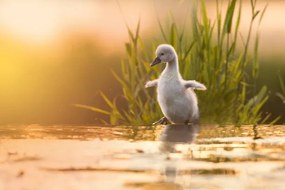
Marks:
<point>209,55</point>
<point>281,94</point>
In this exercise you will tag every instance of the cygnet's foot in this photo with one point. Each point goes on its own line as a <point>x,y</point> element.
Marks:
<point>162,121</point>
<point>192,122</point>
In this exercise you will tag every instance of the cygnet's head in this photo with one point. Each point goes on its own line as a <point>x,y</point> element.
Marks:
<point>164,53</point>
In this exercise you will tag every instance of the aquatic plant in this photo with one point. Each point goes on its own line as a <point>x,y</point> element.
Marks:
<point>210,55</point>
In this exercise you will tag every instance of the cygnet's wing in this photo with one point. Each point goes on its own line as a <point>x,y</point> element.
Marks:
<point>151,83</point>
<point>194,85</point>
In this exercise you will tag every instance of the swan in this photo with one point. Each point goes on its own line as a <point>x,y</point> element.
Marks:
<point>176,96</point>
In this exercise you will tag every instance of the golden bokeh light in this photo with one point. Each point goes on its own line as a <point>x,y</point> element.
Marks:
<point>57,53</point>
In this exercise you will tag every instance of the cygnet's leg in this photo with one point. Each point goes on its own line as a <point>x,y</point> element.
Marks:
<point>195,120</point>
<point>162,121</point>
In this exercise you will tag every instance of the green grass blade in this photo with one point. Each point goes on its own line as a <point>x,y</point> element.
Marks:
<point>93,109</point>
<point>229,17</point>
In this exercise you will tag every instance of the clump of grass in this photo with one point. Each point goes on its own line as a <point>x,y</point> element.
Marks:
<point>232,97</point>
<point>135,71</point>
<point>208,55</point>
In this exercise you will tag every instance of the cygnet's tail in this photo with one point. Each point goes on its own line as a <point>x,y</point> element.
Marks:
<point>194,85</point>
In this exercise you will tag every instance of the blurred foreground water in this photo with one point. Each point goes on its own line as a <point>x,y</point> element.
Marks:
<point>142,157</point>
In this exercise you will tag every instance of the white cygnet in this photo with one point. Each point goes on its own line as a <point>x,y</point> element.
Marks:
<point>176,97</point>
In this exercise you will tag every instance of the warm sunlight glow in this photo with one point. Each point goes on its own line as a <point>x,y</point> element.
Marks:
<point>54,54</point>
<point>30,19</point>
<point>42,21</point>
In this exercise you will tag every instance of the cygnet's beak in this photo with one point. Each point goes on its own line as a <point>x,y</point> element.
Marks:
<point>155,61</point>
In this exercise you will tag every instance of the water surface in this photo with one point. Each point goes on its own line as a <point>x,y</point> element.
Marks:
<point>142,157</point>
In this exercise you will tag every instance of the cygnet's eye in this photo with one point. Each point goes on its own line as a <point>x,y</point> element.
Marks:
<point>161,53</point>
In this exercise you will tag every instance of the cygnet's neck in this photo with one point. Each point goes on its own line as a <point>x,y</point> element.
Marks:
<point>172,68</point>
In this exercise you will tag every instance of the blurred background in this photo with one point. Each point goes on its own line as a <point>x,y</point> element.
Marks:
<point>54,54</point>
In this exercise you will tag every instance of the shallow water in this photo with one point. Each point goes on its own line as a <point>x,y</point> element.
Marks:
<point>146,158</point>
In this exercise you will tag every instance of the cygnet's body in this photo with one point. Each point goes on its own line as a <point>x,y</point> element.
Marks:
<point>178,104</point>
<point>176,96</point>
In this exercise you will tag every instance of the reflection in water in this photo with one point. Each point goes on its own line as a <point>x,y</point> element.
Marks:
<point>170,137</point>
<point>179,133</point>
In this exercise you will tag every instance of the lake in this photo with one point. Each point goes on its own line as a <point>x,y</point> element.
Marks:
<point>142,157</point>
